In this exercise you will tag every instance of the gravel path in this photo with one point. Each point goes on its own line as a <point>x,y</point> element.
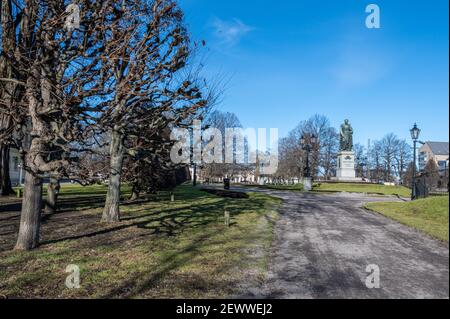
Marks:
<point>325,242</point>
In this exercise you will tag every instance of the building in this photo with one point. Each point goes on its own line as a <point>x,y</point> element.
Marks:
<point>15,169</point>
<point>438,151</point>
<point>237,176</point>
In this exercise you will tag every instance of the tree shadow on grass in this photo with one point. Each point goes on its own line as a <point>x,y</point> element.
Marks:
<point>166,223</point>
<point>69,205</point>
<point>10,207</point>
<point>148,279</point>
<point>171,221</point>
<point>140,230</point>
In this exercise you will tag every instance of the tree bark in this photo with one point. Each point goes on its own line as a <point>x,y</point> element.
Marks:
<point>111,212</point>
<point>52,195</point>
<point>5,183</point>
<point>30,217</point>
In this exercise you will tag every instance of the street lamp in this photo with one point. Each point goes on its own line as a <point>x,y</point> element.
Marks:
<point>308,148</point>
<point>362,162</point>
<point>19,166</point>
<point>415,133</point>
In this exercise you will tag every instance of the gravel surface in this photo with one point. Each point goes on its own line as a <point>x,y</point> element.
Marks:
<point>324,244</point>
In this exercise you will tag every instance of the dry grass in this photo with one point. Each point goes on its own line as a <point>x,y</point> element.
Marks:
<point>159,249</point>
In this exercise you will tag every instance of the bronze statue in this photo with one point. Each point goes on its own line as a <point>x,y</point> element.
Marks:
<point>346,139</point>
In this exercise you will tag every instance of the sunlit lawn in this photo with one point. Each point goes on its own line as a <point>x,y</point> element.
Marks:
<point>429,215</point>
<point>363,188</point>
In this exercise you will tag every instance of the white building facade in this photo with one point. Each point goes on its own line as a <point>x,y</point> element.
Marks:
<point>15,168</point>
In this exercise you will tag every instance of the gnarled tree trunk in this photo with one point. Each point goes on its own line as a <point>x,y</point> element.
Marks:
<point>52,195</point>
<point>30,217</point>
<point>111,212</point>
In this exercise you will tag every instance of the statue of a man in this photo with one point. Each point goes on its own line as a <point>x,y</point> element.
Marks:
<point>346,140</point>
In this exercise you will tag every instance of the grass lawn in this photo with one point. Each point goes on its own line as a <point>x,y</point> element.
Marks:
<point>363,188</point>
<point>429,215</point>
<point>160,249</point>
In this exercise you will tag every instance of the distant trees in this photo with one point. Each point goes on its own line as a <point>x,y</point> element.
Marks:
<point>223,121</point>
<point>329,147</point>
<point>408,175</point>
<point>431,174</point>
<point>292,157</point>
<point>389,159</point>
<point>385,160</point>
<point>148,47</point>
<point>402,159</point>
<point>360,159</point>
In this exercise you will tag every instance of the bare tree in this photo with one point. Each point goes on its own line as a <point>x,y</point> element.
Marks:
<point>146,51</point>
<point>389,158</point>
<point>223,121</point>
<point>56,68</point>
<point>432,176</point>
<point>403,158</point>
<point>376,163</point>
<point>323,155</point>
<point>360,160</point>
<point>389,147</point>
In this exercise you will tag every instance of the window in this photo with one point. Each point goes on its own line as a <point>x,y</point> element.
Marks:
<point>423,159</point>
<point>442,164</point>
<point>15,163</point>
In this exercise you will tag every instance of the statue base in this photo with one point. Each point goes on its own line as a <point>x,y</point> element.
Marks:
<point>346,167</point>
<point>307,184</point>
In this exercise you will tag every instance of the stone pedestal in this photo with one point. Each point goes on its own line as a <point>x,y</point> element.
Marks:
<point>346,167</point>
<point>307,184</point>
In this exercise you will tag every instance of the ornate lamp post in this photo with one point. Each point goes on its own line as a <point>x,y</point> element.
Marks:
<point>308,146</point>
<point>362,162</point>
<point>415,133</point>
<point>20,173</point>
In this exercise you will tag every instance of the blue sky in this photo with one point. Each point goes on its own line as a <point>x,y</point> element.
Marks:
<point>284,61</point>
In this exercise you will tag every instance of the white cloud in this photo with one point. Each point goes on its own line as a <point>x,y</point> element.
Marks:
<point>230,32</point>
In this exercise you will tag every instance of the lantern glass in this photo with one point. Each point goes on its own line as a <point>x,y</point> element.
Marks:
<point>415,132</point>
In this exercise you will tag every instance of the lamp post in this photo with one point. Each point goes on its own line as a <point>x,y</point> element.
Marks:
<point>307,146</point>
<point>363,164</point>
<point>415,133</point>
<point>20,174</point>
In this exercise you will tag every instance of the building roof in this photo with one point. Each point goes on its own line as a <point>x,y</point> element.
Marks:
<point>439,148</point>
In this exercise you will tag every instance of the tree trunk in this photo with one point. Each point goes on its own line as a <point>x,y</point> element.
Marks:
<point>30,217</point>
<point>52,195</point>
<point>5,183</point>
<point>111,212</point>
